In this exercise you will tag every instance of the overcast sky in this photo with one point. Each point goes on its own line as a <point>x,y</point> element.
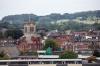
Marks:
<point>44,7</point>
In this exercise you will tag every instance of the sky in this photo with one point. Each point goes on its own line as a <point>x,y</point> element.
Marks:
<point>45,7</point>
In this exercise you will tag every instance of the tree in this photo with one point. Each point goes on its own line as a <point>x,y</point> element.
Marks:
<point>50,43</point>
<point>95,47</point>
<point>96,26</point>
<point>15,33</point>
<point>96,53</point>
<point>3,56</point>
<point>68,55</point>
<point>1,35</point>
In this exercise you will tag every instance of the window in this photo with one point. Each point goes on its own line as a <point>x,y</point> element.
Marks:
<point>25,29</point>
<point>31,29</point>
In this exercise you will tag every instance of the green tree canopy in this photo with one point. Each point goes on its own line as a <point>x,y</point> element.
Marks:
<point>95,47</point>
<point>96,26</point>
<point>68,55</point>
<point>96,53</point>
<point>50,43</point>
<point>3,56</point>
<point>1,35</point>
<point>14,33</point>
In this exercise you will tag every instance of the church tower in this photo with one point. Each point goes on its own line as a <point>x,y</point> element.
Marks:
<point>32,39</point>
<point>29,28</point>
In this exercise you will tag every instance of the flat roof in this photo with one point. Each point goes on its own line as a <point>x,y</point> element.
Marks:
<point>41,51</point>
<point>27,60</point>
<point>48,56</point>
<point>83,56</point>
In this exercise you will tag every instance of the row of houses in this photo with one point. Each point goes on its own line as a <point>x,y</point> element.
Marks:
<point>78,42</point>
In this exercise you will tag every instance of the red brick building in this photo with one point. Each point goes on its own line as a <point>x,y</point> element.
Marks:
<point>30,41</point>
